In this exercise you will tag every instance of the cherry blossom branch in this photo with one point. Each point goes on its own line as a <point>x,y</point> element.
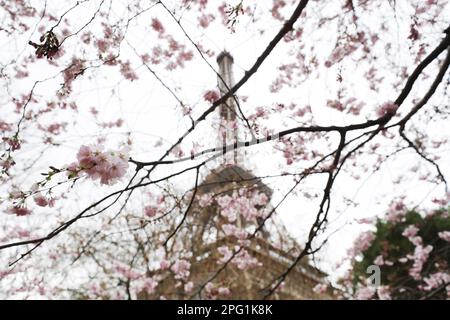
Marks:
<point>418,106</point>
<point>316,226</point>
<point>430,92</point>
<point>65,225</point>
<point>435,291</point>
<point>379,121</point>
<point>83,27</point>
<point>326,199</point>
<point>325,204</point>
<point>197,173</point>
<point>423,156</point>
<point>66,12</point>
<point>227,148</point>
<point>157,77</point>
<point>38,242</point>
<point>288,26</point>
<point>443,45</point>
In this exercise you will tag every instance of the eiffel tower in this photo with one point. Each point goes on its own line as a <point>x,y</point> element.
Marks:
<point>271,249</point>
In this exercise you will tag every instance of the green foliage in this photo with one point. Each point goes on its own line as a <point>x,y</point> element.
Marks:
<point>395,248</point>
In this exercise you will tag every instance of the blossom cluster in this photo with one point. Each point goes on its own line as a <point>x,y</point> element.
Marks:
<point>387,108</point>
<point>174,54</point>
<point>436,280</point>
<point>181,269</point>
<point>362,243</point>
<point>141,282</point>
<point>211,95</point>
<point>107,166</point>
<point>213,291</point>
<point>242,260</point>
<point>419,257</point>
<point>240,203</point>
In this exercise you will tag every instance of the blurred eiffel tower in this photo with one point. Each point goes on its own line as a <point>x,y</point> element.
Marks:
<point>203,233</point>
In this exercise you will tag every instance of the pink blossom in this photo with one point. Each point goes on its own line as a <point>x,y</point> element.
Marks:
<point>21,74</point>
<point>40,200</point>
<point>417,241</point>
<point>16,194</point>
<point>86,156</point>
<point>150,211</point>
<point>225,252</point>
<point>384,293</point>
<point>205,19</point>
<point>363,242</point>
<point>86,37</point>
<point>335,105</point>
<point>189,286</point>
<point>107,166</point>
<point>441,201</point>
<point>413,33</point>
<point>75,69</point>
<point>211,95</point>
<point>164,265</point>
<point>444,235</point>
<point>184,56</point>
<point>231,230</point>
<point>56,128</point>
<point>150,285</point>
<point>102,45</point>
<point>410,231</point>
<point>209,286</point>
<point>365,293</point>
<point>228,229</point>
<point>213,292</point>
<point>223,291</point>
<point>157,26</point>
<point>127,72</point>
<point>205,200</point>
<point>261,199</point>
<point>320,288</point>
<point>21,233</point>
<point>114,168</point>
<point>355,109</point>
<point>243,260</point>
<point>242,204</point>
<point>379,261</point>
<point>6,164</point>
<point>403,260</point>
<point>389,108</point>
<point>181,269</point>
<point>436,280</point>
<point>19,211</point>
<point>396,211</point>
<point>128,273</point>
<point>224,202</point>
<point>173,45</point>
<point>339,53</point>
<point>14,143</point>
<point>420,257</point>
<point>145,58</point>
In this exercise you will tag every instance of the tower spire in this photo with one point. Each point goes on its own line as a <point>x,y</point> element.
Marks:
<point>228,129</point>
